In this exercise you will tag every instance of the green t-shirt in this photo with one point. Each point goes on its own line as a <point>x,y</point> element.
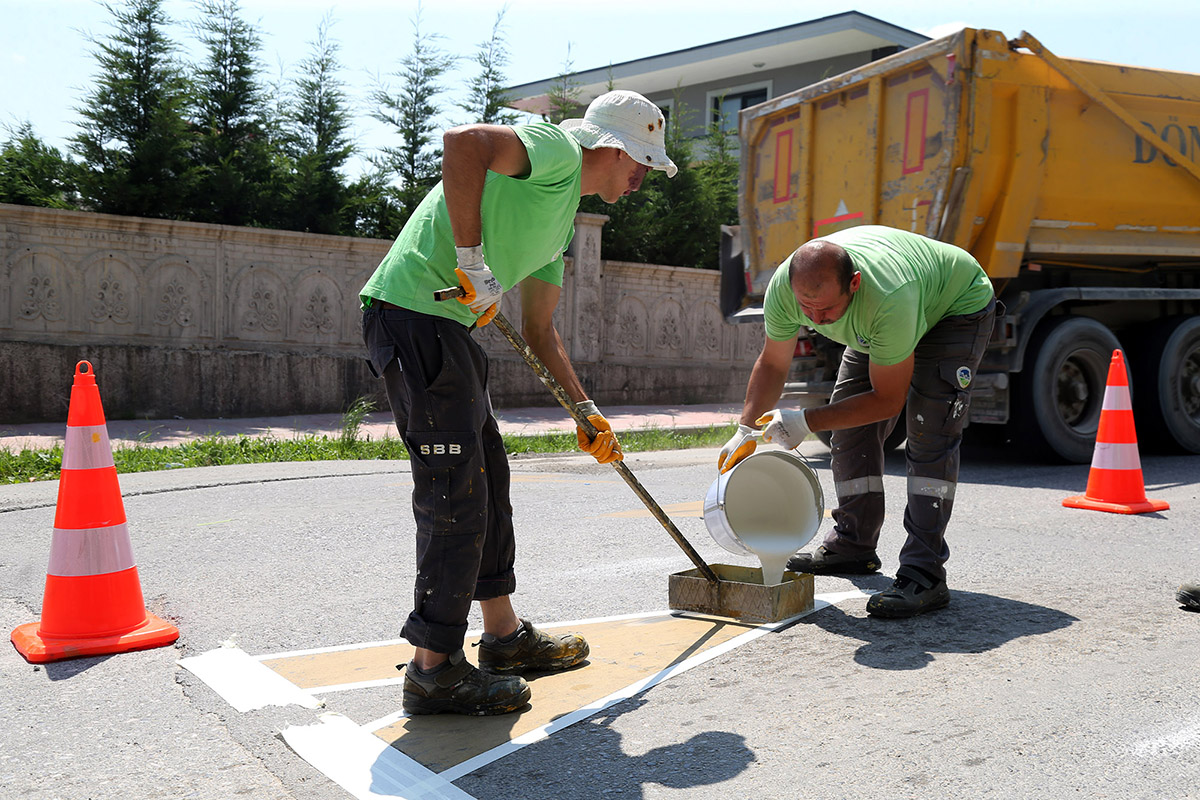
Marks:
<point>909,284</point>
<point>527,224</point>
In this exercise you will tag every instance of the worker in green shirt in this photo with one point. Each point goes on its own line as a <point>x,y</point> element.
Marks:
<point>915,315</point>
<point>501,217</point>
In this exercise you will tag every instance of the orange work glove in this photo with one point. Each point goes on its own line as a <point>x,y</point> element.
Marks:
<point>482,289</point>
<point>739,446</point>
<point>604,448</point>
<point>488,315</point>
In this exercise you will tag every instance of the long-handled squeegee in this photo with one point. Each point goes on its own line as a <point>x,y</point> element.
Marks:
<point>521,346</point>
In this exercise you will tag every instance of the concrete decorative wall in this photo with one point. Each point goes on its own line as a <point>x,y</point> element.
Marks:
<point>191,320</point>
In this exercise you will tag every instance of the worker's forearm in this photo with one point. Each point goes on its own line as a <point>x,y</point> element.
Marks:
<point>850,412</point>
<point>548,346</point>
<point>762,392</point>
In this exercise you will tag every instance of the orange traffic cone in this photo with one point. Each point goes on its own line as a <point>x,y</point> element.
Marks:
<point>93,600</point>
<point>1115,482</point>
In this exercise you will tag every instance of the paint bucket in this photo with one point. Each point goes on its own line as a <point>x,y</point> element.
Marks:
<point>769,505</point>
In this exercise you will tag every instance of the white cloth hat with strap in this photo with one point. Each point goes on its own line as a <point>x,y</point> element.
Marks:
<point>627,121</point>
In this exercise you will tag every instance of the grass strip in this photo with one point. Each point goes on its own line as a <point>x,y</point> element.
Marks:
<point>213,451</point>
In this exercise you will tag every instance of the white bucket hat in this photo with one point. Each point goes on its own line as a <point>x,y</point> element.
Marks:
<point>628,121</point>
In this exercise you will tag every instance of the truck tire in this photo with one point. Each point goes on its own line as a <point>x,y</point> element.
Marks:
<point>1165,371</point>
<point>1061,388</point>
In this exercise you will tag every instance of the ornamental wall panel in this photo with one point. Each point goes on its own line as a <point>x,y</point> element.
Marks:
<point>142,293</point>
<point>112,295</point>
<point>41,297</point>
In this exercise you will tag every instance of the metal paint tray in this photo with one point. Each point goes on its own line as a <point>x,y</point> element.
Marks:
<point>740,594</point>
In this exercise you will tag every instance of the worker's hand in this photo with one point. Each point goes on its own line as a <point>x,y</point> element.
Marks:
<point>785,426</point>
<point>604,448</point>
<point>481,288</point>
<point>488,315</point>
<point>740,445</point>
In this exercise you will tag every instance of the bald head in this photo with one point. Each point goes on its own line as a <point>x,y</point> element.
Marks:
<point>823,279</point>
<point>818,263</point>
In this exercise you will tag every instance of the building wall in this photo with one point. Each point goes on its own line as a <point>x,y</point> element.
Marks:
<point>192,320</point>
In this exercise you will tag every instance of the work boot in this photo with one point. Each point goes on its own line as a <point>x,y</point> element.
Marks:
<point>529,650</point>
<point>913,592</point>
<point>457,687</point>
<point>823,561</point>
<point>1188,596</point>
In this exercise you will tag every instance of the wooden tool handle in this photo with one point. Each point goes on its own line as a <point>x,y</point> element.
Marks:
<point>522,347</point>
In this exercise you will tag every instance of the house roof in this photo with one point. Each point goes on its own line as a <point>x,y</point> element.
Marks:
<point>814,40</point>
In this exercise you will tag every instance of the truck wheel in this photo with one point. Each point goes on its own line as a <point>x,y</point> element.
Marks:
<point>1165,370</point>
<point>1062,388</point>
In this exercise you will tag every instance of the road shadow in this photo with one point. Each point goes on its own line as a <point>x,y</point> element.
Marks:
<point>972,623</point>
<point>69,668</point>
<point>592,763</point>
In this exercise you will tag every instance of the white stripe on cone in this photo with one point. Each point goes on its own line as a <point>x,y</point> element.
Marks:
<point>1116,456</point>
<point>76,552</point>
<point>86,447</point>
<point>1116,398</point>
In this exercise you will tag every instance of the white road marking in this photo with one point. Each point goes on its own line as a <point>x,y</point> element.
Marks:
<point>368,767</point>
<point>1183,740</point>
<point>245,683</point>
<point>365,765</point>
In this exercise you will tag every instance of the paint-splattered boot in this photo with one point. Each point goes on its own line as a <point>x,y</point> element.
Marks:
<point>1188,596</point>
<point>458,687</point>
<point>530,650</point>
<point>913,592</point>
<point>823,561</point>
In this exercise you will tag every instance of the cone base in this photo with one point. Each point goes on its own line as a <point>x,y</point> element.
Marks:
<point>38,649</point>
<point>1091,504</point>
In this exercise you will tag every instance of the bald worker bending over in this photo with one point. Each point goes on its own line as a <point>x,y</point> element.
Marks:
<point>915,315</point>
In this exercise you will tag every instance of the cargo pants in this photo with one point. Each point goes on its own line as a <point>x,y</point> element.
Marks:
<point>435,376</point>
<point>945,362</point>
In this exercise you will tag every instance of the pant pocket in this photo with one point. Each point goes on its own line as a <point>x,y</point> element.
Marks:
<point>449,484</point>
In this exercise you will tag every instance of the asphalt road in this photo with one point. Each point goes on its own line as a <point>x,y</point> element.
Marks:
<point>1062,668</point>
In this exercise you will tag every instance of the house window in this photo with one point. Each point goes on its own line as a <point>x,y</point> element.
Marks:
<point>724,105</point>
<point>666,106</point>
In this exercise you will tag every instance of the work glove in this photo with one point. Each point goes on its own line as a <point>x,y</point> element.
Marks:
<point>604,448</point>
<point>785,426</point>
<point>482,290</point>
<point>740,445</point>
<point>488,315</point>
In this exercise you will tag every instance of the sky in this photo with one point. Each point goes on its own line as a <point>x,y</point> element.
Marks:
<point>46,60</point>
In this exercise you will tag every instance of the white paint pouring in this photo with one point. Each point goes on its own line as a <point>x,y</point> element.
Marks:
<point>770,505</point>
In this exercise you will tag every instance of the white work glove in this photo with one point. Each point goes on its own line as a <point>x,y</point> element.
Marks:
<point>482,289</point>
<point>785,426</point>
<point>739,446</point>
<point>604,448</point>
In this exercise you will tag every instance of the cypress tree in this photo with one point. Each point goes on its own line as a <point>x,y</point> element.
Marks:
<point>486,99</point>
<point>233,147</point>
<point>318,143</point>
<point>412,111</point>
<point>134,139</point>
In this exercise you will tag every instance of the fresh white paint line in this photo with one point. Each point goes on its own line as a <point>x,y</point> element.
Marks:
<point>245,683</point>
<point>347,687</point>
<point>365,765</point>
<point>1181,741</point>
<point>500,751</point>
<point>390,642</point>
<point>341,648</point>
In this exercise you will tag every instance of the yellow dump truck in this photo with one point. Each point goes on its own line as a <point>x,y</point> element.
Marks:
<point>1076,184</point>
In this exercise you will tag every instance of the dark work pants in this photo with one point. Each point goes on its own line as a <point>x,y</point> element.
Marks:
<point>435,376</point>
<point>936,413</point>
